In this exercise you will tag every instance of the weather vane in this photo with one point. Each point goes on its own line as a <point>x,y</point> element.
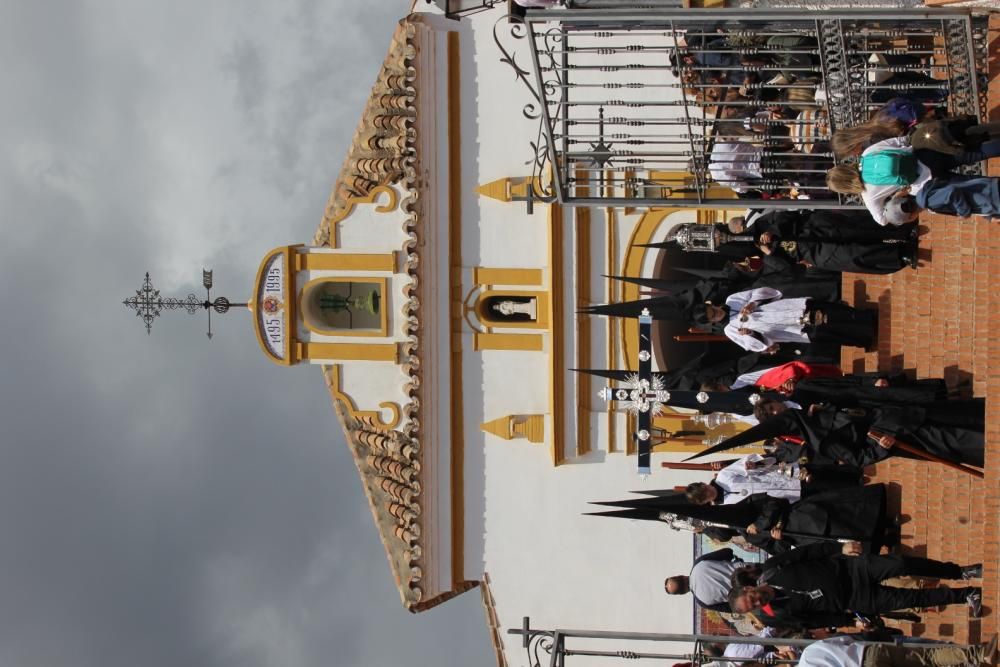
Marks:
<point>148,304</point>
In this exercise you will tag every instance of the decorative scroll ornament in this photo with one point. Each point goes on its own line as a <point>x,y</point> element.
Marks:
<point>546,90</point>
<point>539,648</point>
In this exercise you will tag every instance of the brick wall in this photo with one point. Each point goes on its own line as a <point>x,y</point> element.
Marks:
<point>943,320</point>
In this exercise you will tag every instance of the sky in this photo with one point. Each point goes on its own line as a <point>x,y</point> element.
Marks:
<point>166,499</point>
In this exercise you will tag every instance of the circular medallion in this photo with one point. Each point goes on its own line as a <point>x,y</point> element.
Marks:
<point>271,304</point>
<point>643,435</point>
<point>644,355</point>
<point>701,397</point>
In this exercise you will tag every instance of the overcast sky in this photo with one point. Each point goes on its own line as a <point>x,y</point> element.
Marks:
<point>166,500</point>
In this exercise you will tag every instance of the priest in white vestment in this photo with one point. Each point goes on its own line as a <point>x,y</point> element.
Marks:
<point>760,319</point>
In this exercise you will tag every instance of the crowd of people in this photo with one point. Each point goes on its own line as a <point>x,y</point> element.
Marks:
<point>832,549</point>
<point>771,135</point>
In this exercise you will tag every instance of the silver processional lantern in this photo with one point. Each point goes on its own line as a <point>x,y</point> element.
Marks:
<point>696,237</point>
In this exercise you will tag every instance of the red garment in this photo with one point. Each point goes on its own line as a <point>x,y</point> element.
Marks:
<point>796,370</point>
<point>794,439</point>
<point>767,609</point>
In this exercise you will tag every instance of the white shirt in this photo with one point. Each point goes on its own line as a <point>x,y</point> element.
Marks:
<point>833,652</point>
<point>739,483</point>
<point>744,650</point>
<point>751,215</point>
<point>734,163</point>
<point>876,196</point>
<point>777,322</point>
<point>750,379</point>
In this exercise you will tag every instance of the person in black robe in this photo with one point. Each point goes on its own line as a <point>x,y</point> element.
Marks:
<point>834,241</point>
<point>951,430</point>
<point>809,383</point>
<point>824,585</point>
<point>797,280</point>
<point>849,512</point>
<point>868,391</point>
<point>857,513</point>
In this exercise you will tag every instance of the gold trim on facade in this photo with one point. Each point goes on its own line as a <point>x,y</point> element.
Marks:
<point>334,352</point>
<point>457,463</point>
<point>513,427</point>
<point>490,277</point>
<point>611,287</point>
<point>508,341</point>
<point>343,261</point>
<point>373,415</point>
<point>557,365</point>
<point>584,386</point>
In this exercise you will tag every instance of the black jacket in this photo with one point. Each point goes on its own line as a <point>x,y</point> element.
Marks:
<point>813,588</point>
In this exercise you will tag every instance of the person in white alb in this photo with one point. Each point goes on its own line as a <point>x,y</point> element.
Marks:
<point>745,654</point>
<point>757,474</point>
<point>760,320</point>
<point>736,165</point>
<point>845,651</point>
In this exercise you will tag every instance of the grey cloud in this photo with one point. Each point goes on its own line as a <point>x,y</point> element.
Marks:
<point>164,499</point>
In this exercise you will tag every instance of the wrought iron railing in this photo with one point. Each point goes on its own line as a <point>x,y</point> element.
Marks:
<point>645,106</point>
<point>553,647</point>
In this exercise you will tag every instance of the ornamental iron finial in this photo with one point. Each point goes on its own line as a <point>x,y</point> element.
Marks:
<point>148,304</point>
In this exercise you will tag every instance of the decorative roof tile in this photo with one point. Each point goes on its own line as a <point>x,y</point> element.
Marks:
<point>383,152</point>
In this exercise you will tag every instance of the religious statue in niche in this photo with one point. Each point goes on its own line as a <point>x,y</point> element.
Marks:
<point>346,305</point>
<point>511,309</point>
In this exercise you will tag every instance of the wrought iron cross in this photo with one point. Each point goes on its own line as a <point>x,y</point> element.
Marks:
<point>148,304</point>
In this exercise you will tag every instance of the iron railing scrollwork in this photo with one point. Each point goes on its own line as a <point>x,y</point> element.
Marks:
<point>640,106</point>
<point>542,89</point>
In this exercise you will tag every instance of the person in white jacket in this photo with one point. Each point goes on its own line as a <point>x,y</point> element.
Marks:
<point>844,651</point>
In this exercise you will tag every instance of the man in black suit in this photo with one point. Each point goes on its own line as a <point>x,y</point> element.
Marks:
<point>710,579</point>
<point>829,584</point>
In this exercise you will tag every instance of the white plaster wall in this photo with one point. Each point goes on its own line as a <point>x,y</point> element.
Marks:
<point>369,383</point>
<point>367,230</point>
<point>523,517</point>
<point>562,569</point>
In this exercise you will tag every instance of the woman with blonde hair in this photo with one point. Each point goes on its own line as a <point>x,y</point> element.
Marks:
<point>909,175</point>
<point>851,141</point>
